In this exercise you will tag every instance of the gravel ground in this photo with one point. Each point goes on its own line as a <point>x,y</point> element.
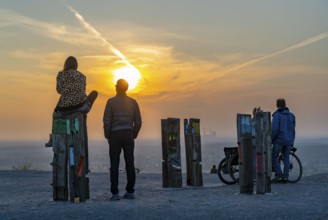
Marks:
<point>28,195</point>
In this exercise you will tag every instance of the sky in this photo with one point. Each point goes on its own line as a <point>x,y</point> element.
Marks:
<point>207,59</point>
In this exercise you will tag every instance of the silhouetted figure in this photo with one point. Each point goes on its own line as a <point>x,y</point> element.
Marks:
<point>69,135</point>
<point>214,170</point>
<point>71,85</point>
<point>122,123</point>
<point>283,137</point>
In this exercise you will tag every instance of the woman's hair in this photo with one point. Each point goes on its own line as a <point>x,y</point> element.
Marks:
<point>70,63</point>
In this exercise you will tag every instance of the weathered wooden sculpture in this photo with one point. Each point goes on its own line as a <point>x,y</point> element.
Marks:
<point>245,150</point>
<point>262,124</point>
<point>70,159</point>
<point>193,152</point>
<point>171,164</point>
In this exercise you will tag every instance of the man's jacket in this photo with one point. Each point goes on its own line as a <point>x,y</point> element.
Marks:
<point>283,127</point>
<point>121,113</point>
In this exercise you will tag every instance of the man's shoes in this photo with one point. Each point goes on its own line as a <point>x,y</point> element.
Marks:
<point>284,180</point>
<point>115,197</point>
<point>277,179</point>
<point>128,196</point>
<point>49,144</point>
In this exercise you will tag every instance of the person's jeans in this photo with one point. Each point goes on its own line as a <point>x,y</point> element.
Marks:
<point>122,140</point>
<point>275,160</point>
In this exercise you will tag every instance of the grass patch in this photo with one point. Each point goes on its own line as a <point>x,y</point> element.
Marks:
<point>26,166</point>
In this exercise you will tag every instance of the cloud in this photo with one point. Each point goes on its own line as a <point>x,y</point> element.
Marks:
<point>293,47</point>
<point>99,36</point>
<point>296,46</point>
<point>59,32</point>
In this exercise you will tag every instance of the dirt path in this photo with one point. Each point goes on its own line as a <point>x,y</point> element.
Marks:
<point>28,195</point>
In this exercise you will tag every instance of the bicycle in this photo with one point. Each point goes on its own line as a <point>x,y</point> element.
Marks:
<point>295,169</point>
<point>228,168</point>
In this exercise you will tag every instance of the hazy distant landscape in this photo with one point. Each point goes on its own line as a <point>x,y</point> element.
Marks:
<point>148,155</point>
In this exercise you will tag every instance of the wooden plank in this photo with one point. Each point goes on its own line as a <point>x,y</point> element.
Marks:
<point>165,173</point>
<point>164,132</point>
<point>59,168</point>
<point>244,132</point>
<point>171,152</point>
<point>263,144</point>
<point>267,150</point>
<point>260,178</point>
<point>196,153</point>
<point>188,149</point>
<point>72,180</point>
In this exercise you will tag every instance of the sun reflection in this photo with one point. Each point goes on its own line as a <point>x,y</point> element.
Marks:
<point>130,74</point>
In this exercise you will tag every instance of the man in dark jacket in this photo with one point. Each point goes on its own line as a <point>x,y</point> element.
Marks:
<point>283,137</point>
<point>122,123</point>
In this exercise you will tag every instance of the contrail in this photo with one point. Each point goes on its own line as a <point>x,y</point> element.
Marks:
<point>93,31</point>
<point>299,45</point>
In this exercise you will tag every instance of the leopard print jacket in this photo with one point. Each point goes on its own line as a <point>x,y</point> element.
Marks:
<point>71,85</point>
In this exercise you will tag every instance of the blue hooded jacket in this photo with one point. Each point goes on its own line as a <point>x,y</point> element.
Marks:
<point>283,127</point>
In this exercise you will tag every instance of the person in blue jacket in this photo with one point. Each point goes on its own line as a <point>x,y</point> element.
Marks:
<point>283,137</point>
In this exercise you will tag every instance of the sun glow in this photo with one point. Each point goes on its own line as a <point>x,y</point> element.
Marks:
<point>130,74</point>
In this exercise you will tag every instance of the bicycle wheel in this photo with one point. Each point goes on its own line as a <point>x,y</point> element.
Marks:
<point>224,173</point>
<point>233,167</point>
<point>296,169</point>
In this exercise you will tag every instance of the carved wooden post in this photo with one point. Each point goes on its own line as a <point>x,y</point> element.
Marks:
<point>193,152</point>
<point>171,164</point>
<point>244,132</point>
<point>260,178</point>
<point>79,184</point>
<point>70,148</point>
<point>267,150</point>
<point>59,162</point>
<point>263,152</point>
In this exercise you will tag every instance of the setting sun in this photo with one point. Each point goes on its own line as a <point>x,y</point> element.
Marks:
<point>130,74</point>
